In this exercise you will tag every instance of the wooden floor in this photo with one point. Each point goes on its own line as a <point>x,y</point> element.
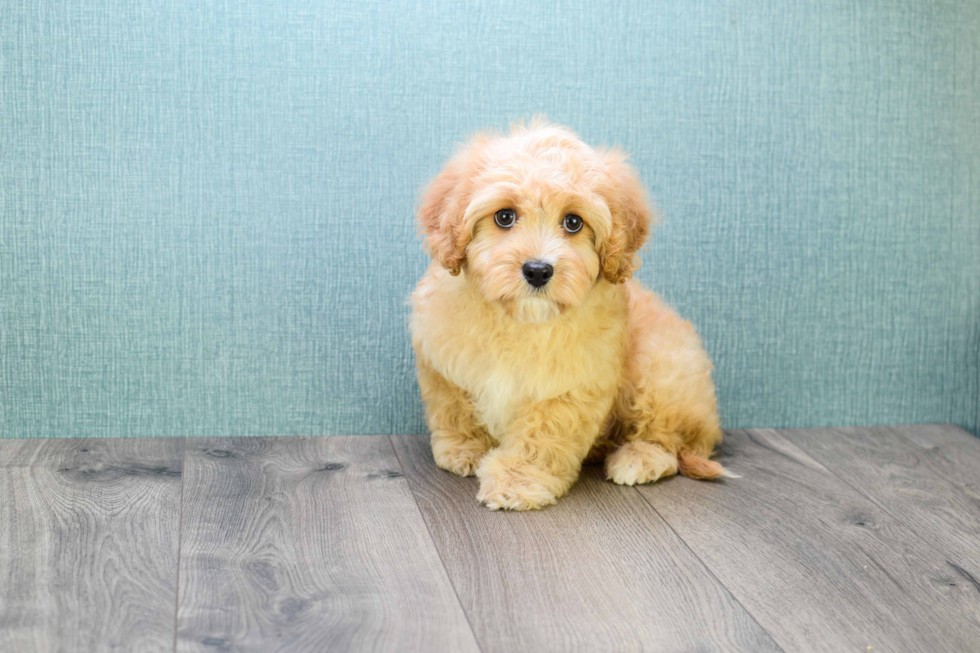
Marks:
<point>851,539</point>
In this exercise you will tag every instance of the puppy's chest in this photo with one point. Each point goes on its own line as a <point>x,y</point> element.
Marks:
<point>501,381</point>
<point>503,369</point>
<point>518,370</point>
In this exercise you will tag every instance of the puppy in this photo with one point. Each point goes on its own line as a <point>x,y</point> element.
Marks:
<point>534,349</point>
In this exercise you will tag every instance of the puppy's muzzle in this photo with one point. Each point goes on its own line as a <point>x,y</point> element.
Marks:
<point>537,273</point>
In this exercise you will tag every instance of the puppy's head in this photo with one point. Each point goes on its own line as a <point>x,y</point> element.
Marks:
<point>535,219</point>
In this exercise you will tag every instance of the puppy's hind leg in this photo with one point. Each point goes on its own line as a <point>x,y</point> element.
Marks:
<point>655,450</point>
<point>667,406</point>
<point>654,455</point>
<point>666,435</point>
<point>459,442</point>
<point>642,460</point>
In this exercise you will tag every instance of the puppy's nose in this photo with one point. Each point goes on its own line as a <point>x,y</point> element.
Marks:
<point>537,273</point>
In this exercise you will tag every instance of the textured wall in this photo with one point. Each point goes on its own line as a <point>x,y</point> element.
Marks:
<point>205,208</point>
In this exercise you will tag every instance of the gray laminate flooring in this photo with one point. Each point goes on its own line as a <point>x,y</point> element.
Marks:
<point>850,539</point>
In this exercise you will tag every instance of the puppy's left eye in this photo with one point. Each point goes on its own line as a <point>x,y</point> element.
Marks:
<point>572,223</point>
<point>505,218</point>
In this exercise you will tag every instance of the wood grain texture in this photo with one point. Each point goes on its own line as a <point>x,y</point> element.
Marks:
<point>88,544</point>
<point>308,544</point>
<point>927,477</point>
<point>599,571</point>
<point>820,566</point>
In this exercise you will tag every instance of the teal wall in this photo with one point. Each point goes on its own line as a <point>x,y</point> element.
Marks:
<point>206,208</point>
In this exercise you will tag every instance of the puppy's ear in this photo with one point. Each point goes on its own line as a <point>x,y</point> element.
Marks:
<point>631,218</point>
<point>440,214</point>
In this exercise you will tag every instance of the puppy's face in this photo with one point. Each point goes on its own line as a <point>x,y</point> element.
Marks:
<point>535,219</point>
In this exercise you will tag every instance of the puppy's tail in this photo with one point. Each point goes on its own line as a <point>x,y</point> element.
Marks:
<point>694,466</point>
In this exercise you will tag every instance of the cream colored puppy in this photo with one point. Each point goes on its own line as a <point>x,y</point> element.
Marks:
<point>533,349</point>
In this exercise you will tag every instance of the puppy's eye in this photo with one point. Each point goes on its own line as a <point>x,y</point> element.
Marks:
<point>572,223</point>
<point>505,218</point>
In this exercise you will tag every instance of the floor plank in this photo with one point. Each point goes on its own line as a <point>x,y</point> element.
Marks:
<point>816,563</point>
<point>308,544</point>
<point>88,544</point>
<point>927,477</point>
<point>599,571</point>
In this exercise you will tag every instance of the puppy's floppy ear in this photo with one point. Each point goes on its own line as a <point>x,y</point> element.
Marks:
<point>631,218</point>
<point>440,214</point>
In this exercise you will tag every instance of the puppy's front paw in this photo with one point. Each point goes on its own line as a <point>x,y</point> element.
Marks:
<point>513,492</point>
<point>503,487</point>
<point>461,459</point>
<point>639,462</point>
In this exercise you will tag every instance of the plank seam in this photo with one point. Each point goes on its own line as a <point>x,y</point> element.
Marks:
<point>428,531</point>
<point>180,534</point>
<point>709,570</point>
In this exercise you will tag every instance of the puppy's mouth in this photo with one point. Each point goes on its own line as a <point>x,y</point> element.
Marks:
<point>533,309</point>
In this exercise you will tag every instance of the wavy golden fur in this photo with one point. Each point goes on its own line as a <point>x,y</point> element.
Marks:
<point>522,384</point>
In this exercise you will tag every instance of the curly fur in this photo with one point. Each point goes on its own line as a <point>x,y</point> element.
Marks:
<point>521,385</point>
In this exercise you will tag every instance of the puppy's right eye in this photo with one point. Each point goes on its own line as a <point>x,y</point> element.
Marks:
<point>505,218</point>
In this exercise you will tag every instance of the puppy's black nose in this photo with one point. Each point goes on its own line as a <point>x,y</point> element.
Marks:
<point>537,273</point>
